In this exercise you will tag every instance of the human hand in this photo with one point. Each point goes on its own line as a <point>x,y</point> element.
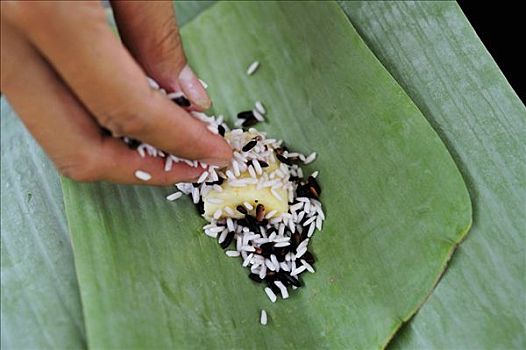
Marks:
<point>67,75</point>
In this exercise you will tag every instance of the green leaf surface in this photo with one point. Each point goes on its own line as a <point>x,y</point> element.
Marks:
<point>433,52</point>
<point>396,204</point>
<point>40,300</point>
<point>187,10</point>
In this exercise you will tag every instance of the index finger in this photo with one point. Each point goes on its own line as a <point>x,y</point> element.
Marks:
<point>109,82</point>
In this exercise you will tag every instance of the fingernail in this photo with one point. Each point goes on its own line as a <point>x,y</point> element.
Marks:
<point>193,89</point>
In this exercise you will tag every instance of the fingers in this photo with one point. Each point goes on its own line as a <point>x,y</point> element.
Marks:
<point>64,128</point>
<point>149,30</point>
<point>109,83</point>
<point>119,164</point>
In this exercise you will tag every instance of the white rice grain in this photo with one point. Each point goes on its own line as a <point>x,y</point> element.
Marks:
<point>260,107</point>
<point>307,266</point>
<point>153,84</point>
<point>282,244</point>
<point>218,214</point>
<point>275,262</point>
<point>232,253</point>
<point>203,177</point>
<point>282,289</point>
<point>270,265</point>
<point>263,272</point>
<point>235,167</point>
<point>205,85</point>
<point>275,194</point>
<point>257,167</point>
<point>284,266</point>
<point>230,223</point>
<point>230,175</point>
<point>270,214</point>
<point>251,171</point>
<point>211,233</point>
<point>172,197</point>
<point>300,252</point>
<point>270,294</point>
<point>214,200</point>
<point>312,227</point>
<point>195,195</point>
<point>248,248</point>
<point>296,206</point>
<point>168,164</point>
<point>142,175</point>
<point>247,260</point>
<point>252,68</point>
<point>222,236</point>
<point>259,117</point>
<point>308,222</point>
<point>213,129</point>
<point>299,270</point>
<point>319,222</point>
<point>141,152</point>
<point>310,158</point>
<point>263,317</point>
<point>229,211</point>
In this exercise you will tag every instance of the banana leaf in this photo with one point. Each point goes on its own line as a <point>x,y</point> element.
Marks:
<point>396,204</point>
<point>40,299</point>
<point>433,52</point>
<point>187,10</point>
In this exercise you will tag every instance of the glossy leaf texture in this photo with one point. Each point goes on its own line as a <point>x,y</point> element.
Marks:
<point>434,53</point>
<point>41,306</point>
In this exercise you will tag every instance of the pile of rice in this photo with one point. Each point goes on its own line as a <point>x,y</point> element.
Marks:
<point>273,247</point>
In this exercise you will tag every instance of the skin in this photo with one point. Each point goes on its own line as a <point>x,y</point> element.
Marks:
<point>67,80</point>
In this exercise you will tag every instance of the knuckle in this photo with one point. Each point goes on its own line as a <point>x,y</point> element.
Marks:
<point>167,46</point>
<point>125,120</point>
<point>82,168</point>
<point>128,125</point>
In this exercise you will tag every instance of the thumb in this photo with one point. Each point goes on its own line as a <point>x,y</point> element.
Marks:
<point>149,31</point>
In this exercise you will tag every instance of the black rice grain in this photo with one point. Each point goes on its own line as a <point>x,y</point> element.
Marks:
<point>282,159</point>
<point>133,143</point>
<point>255,278</point>
<point>265,249</point>
<point>241,209</point>
<point>228,239</point>
<point>181,101</point>
<point>218,182</point>
<point>251,144</point>
<point>249,122</point>
<point>271,285</point>
<point>105,132</point>
<point>295,240</point>
<point>309,258</point>
<point>200,207</point>
<point>246,115</point>
<point>314,187</point>
<point>221,130</point>
<point>290,280</point>
<point>280,252</point>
